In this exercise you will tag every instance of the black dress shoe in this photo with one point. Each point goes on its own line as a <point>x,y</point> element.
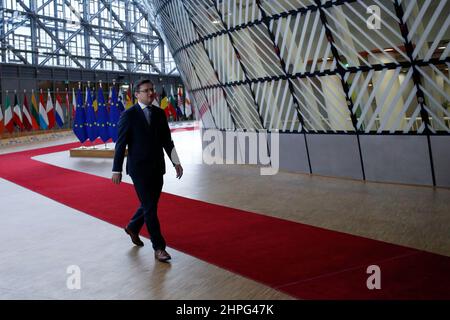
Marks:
<point>162,255</point>
<point>134,237</point>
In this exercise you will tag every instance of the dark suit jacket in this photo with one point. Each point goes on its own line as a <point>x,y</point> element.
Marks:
<point>145,142</point>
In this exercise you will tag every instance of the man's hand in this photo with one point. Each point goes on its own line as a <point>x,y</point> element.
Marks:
<point>116,178</point>
<point>179,170</point>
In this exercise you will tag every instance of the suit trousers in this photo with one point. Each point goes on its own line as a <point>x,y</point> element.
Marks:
<point>148,189</point>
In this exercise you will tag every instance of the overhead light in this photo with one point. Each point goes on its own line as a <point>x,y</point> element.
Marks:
<point>441,48</point>
<point>216,21</point>
<point>388,50</point>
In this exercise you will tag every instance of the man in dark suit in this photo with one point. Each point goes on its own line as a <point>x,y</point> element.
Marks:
<point>144,129</point>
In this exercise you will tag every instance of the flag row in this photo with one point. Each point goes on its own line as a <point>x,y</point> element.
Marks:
<point>101,122</point>
<point>176,106</point>
<point>40,115</point>
<point>90,124</point>
<point>90,117</point>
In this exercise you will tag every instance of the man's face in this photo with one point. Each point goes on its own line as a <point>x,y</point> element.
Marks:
<point>146,95</point>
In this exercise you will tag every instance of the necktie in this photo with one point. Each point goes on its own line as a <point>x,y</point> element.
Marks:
<point>147,113</point>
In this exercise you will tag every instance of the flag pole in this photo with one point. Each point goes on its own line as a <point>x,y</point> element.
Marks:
<point>39,92</point>
<point>89,88</point>
<point>100,87</point>
<point>24,97</point>
<point>82,143</point>
<point>56,95</point>
<point>114,86</point>
<point>67,108</point>
<point>15,133</point>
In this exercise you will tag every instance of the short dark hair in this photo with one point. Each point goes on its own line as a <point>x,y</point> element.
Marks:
<point>138,84</point>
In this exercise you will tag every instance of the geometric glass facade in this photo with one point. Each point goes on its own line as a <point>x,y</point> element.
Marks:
<point>364,67</point>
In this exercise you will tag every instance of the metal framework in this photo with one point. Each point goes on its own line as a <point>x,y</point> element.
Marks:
<point>116,35</point>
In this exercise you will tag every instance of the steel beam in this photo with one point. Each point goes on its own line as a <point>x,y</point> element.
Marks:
<point>118,41</point>
<point>140,46</point>
<point>130,36</point>
<point>44,27</point>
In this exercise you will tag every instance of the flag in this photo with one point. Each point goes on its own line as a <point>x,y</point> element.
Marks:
<point>108,105</point>
<point>34,112</point>
<point>80,118</point>
<point>67,106</point>
<point>180,97</point>
<point>43,118</point>
<point>94,101</point>
<point>187,106</point>
<point>91,123</point>
<point>164,102</point>
<point>2,125</point>
<point>171,107</point>
<point>102,117</point>
<point>129,98</point>
<point>120,104</point>
<point>114,115</point>
<point>180,103</point>
<point>59,111</point>
<point>9,124</point>
<point>179,113</point>
<point>17,115</point>
<point>74,104</point>
<point>50,111</point>
<point>27,118</point>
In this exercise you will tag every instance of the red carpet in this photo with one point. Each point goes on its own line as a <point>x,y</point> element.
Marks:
<point>303,261</point>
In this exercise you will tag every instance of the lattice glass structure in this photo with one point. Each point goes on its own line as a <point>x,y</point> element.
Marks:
<point>365,66</point>
<point>114,35</point>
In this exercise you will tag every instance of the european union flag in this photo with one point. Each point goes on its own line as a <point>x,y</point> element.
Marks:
<point>91,122</point>
<point>114,115</point>
<point>80,118</point>
<point>102,117</point>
